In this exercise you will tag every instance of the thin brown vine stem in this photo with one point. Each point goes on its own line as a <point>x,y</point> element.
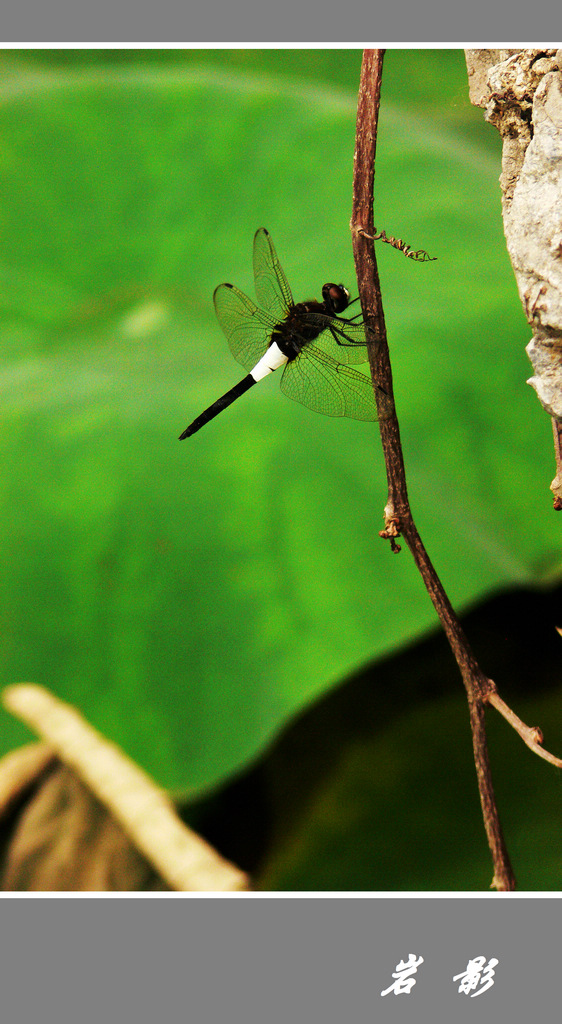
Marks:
<point>398,516</point>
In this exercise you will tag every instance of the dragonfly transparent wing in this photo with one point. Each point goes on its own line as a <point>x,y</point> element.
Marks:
<point>272,288</point>
<point>316,380</point>
<point>342,340</point>
<point>247,328</point>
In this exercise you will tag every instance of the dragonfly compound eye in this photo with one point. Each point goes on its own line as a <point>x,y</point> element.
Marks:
<point>337,296</point>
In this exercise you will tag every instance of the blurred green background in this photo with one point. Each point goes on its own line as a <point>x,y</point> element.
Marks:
<point>195,599</point>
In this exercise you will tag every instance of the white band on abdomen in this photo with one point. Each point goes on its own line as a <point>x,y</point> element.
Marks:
<point>271,361</point>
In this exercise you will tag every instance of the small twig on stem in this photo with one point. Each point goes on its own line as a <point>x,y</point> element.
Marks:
<point>398,516</point>
<point>530,734</point>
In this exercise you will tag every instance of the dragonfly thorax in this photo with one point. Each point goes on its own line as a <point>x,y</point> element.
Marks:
<point>292,333</point>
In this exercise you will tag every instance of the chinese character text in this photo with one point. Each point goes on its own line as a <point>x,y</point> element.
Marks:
<point>404,975</point>
<point>477,974</point>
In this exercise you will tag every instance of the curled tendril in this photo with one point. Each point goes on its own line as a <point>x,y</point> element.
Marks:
<point>420,255</point>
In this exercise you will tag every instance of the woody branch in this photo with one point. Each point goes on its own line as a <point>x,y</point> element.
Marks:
<point>398,516</point>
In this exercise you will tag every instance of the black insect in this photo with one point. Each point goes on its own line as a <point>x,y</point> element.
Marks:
<point>314,343</point>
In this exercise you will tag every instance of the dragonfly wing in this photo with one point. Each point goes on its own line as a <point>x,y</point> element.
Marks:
<point>272,288</point>
<point>247,328</point>
<point>320,383</point>
<point>344,342</point>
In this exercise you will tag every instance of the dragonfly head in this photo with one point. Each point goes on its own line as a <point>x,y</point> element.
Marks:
<point>336,297</point>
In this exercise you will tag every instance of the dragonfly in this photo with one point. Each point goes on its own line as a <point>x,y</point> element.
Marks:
<point>312,341</point>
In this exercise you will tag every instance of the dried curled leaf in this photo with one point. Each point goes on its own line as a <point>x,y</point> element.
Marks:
<point>65,840</point>
<point>20,771</point>
<point>85,817</point>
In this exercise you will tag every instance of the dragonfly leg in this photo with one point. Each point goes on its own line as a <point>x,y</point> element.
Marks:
<point>350,341</point>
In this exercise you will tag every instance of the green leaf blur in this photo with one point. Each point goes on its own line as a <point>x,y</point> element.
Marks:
<point>191,597</point>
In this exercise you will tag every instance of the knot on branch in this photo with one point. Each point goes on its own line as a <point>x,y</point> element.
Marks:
<point>486,688</point>
<point>391,532</point>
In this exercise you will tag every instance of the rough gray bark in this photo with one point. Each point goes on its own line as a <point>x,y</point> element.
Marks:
<point>521,91</point>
